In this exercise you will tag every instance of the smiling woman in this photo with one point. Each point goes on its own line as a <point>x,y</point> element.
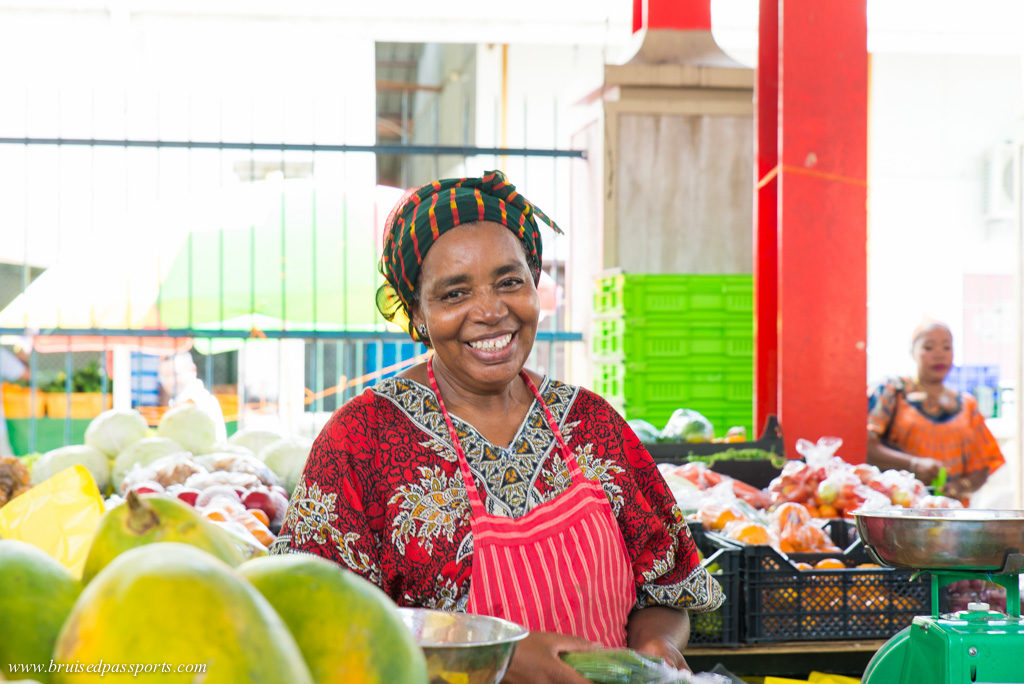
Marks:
<point>469,483</point>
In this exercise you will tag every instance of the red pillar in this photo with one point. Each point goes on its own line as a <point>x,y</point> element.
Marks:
<point>681,15</point>
<point>766,237</point>
<point>821,176</point>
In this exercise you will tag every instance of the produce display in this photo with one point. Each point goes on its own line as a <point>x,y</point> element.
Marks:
<point>242,485</point>
<point>186,523</point>
<point>790,513</point>
<point>152,599</point>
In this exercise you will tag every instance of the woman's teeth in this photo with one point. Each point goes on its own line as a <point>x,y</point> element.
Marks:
<point>492,344</point>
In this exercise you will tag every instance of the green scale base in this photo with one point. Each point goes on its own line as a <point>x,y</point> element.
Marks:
<point>975,646</point>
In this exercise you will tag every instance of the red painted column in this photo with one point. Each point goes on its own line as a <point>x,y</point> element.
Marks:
<point>766,236</point>
<point>682,15</point>
<point>822,222</point>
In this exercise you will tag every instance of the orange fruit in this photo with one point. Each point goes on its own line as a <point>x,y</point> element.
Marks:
<point>790,513</point>
<point>869,565</point>
<point>783,598</point>
<point>826,511</point>
<point>830,564</point>
<point>800,565</point>
<point>716,517</point>
<point>261,516</point>
<point>749,533</point>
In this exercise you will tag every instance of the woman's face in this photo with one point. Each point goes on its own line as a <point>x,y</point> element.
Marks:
<point>933,353</point>
<point>479,303</point>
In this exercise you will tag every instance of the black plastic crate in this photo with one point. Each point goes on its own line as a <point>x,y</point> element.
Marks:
<point>720,627</point>
<point>758,473</point>
<point>783,603</point>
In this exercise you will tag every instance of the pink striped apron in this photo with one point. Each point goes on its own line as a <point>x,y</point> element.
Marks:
<point>562,567</point>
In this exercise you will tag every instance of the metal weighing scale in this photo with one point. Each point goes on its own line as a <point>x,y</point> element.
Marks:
<point>979,645</point>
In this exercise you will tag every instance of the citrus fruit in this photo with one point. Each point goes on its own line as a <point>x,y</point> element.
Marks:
<point>174,604</point>
<point>38,593</point>
<point>348,629</point>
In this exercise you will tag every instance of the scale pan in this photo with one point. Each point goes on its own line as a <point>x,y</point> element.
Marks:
<point>945,539</point>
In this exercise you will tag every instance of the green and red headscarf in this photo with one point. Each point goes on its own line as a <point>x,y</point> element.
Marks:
<point>425,213</point>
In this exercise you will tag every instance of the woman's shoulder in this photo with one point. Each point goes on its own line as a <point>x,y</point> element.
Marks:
<point>584,402</point>
<point>892,384</point>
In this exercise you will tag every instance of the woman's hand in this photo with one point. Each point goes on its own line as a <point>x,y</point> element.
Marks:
<point>537,661</point>
<point>925,469</point>
<point>661,632</point>
<point>956,488</point>
<point>666,650</point>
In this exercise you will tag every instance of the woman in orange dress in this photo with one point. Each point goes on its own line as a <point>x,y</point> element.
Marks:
<point>920,425</point>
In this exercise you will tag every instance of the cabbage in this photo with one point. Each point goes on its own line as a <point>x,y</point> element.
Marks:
<point>191,427</point>
<point>254,439</point>
<point>52,462</point>
<point>141,454</point>
<point>112,431</point>
<point>287,457</point>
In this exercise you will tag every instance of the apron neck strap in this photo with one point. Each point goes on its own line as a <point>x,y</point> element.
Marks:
<point>476,503</point>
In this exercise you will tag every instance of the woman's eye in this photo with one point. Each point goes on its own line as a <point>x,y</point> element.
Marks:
<point>511,282</point>
<point>451,294</point>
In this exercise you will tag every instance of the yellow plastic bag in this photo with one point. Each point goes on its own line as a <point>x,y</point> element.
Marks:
<point>784,680</point>
<point>824,678</point>
<point>59,516</point>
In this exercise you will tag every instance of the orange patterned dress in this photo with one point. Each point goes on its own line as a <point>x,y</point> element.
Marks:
<point>949,429</point>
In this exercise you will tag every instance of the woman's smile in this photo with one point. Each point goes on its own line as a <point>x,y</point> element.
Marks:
<point>496,343</point>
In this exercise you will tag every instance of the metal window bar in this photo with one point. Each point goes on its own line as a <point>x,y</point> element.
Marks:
<point>349,345</point>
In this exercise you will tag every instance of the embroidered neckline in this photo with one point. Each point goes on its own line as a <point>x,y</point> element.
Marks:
<point>508,475</point>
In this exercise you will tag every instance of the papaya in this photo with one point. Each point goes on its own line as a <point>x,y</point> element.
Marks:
<point>178,607</point>
<point>38,593</point>
<point>349,631</point>
<point>154,518</point>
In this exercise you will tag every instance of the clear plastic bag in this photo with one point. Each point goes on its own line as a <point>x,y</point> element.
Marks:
<point>687,425</point>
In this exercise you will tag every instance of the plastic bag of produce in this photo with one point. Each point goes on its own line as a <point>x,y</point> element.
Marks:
<point>59,516</point>
<point>818,453</point>
<point>687,495</point>
<point>625,666</point>
<point>687,425</point>
<point>645,432</point>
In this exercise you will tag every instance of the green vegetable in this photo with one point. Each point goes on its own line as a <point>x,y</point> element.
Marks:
<point>85,379</point>
<point>114,430</point>
<point>616,666</point>
<point>739,455</point>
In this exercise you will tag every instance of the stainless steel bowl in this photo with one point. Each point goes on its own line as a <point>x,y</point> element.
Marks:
<point>944,539</point>
<point>460,647</point>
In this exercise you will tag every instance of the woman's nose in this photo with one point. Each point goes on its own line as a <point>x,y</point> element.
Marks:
<point>490,307</point>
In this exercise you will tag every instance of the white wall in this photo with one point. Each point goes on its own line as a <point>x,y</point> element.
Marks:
<point>933,121</point>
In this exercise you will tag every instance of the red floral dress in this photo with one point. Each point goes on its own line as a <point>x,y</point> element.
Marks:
<point>381,494</point>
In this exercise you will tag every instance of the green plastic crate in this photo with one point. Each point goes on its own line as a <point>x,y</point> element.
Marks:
<point>723,415</point>
<point>640,384</point>
<point>647,339</point>
<point>675,295</point>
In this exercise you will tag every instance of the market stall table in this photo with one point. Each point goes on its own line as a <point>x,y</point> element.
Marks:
<point>787,658</point>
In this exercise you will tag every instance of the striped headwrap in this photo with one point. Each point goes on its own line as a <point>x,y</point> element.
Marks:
<point>425,213</point>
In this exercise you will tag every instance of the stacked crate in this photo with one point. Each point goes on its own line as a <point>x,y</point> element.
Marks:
<point>666,341</point>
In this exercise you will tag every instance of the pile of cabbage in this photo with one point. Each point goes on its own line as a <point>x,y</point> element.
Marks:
<point>119,442</point>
